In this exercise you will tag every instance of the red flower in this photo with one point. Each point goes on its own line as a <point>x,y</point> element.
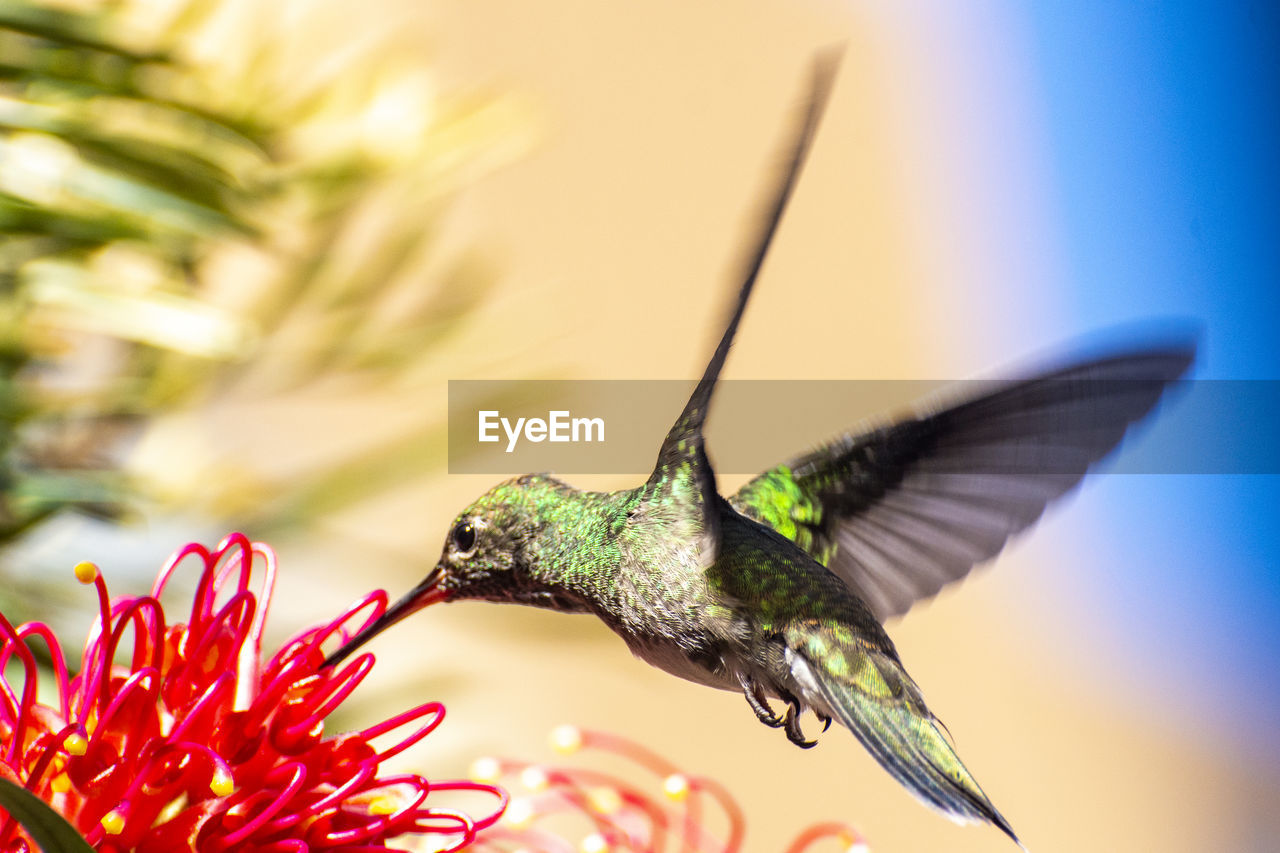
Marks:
<point>619,815</point>
<point>194,744</point>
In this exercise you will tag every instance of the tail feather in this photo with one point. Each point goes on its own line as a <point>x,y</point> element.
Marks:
<point>898,730</point>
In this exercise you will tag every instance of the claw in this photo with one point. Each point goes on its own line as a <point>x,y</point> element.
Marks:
<point>826,721</point>
<point>792,722</point>
<point>759,703</point>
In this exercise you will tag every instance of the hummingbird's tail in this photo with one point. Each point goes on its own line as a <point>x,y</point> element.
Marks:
<point>883,707</point>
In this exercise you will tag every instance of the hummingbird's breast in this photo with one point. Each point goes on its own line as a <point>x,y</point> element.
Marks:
<point>668,623</point>
<point>662,605</point>
<point>716,624</point>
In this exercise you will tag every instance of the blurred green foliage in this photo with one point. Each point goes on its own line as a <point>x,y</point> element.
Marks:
<point>184,217</point>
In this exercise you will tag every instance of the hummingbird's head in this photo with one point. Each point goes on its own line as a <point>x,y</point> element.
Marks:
<point>493,552</point>
<point>496,548</point>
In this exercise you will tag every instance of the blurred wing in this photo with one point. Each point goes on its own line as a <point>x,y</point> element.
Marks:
<point>683,474</point>
<point>902,511</point>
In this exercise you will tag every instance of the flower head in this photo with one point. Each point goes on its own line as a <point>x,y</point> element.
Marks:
<point>194,743</point>
<point>668,811</point>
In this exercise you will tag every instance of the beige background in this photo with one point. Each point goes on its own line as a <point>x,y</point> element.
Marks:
<point>921,244</point>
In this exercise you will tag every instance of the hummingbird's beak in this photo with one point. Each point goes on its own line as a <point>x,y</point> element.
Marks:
<point>426,593</point>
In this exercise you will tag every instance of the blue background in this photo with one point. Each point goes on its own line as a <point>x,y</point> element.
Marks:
<point>1165,131</point>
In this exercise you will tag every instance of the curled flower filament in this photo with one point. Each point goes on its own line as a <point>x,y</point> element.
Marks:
<point>664,813</point>
<point>176,735</point>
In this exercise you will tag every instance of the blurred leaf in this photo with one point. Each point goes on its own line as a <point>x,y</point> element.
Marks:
<point>48,828</point>
<point>19,216</point>
<point>164,320</point>
<point>68,28</point>
<point>189,215</point>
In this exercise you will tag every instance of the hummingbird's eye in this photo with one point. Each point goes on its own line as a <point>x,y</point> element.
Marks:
<point>463,537</point>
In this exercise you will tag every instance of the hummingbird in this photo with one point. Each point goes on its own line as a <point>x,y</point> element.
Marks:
<point>780,591</point>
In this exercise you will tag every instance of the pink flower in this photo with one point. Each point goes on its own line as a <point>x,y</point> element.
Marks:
<point>616,814</point>
<point>195,744</point>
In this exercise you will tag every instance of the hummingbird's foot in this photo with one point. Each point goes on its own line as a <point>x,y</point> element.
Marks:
<point>759,702</point>
<point>792,722</point>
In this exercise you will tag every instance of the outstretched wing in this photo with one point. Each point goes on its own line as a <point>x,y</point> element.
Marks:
<point>683,475</point>
<point>902,511</point>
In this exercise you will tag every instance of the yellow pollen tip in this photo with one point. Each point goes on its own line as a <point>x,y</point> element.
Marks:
<point>534,778</point>
<point>383,805</point>
<point>172,809</point>
<point>60,783</point>
<point>519,814</point>
<point>566,739</point>
<point>86,572</point>
<point>594,843</point>
<point>222,783</point>
<point>604,800</point>
<point>75,744</point>
<point>676,786</point>
<point>113,823</point>
<point>485,770</point>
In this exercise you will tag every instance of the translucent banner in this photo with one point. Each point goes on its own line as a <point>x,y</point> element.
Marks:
<point>616,426</point>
